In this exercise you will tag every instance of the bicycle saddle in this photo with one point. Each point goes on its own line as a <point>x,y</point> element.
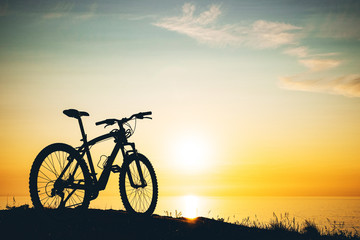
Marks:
<point>74,113</point>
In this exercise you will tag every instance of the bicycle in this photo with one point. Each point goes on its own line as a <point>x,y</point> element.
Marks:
<point>60,177</point>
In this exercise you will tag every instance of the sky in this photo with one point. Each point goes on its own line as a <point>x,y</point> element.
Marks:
<point>249,98</point>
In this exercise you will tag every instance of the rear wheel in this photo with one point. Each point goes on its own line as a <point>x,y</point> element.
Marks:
<point>59,179</point>
<point>138,198</point>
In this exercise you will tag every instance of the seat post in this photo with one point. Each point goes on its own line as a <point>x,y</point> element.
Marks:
<point>84,138</point>
<point>86,148</point>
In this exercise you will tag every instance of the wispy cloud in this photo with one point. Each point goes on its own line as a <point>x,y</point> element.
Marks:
<point>66,9</point>
<point>348,85</point>
<point>262,34</point>
<point>299,52</point>
<point>320,64</point>
<point>265,34</point>
<point>204,28</point>
<point>132,17</point>
<point>201,28</point>
<point>330,54</point>
<point>61,9</point>
<point>304,52</point>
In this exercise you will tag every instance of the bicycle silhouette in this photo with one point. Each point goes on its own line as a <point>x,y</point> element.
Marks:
<point>60,177</point>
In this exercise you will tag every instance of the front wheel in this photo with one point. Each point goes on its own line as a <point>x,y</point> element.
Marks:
<point>138,197</point>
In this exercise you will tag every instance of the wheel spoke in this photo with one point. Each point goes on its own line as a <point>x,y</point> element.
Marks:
<point>49,167</point>
<point>50,157</point>
<point>46,177</point>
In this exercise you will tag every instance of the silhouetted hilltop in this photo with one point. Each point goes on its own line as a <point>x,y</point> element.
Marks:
<point>26,223</point>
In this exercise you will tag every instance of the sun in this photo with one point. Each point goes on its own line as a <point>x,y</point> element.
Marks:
<point>192,152</point>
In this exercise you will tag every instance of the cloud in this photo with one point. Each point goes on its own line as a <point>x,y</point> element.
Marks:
<point>60,9</point>
<point>303,52</point>
<point>265,34</point>
<point>204,28</point>
<point>348,85</point>
<point>261,34</point>
<point>330,54</point>
<point>199,28</point>
<point>132,17</point>
<point>320,64</point>
<point>207,16</point>
<point>299,52</point>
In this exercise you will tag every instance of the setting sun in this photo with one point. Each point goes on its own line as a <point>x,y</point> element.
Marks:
<point>192,152</point>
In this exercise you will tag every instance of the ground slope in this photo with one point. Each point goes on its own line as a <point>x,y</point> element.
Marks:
<point>25,223</point>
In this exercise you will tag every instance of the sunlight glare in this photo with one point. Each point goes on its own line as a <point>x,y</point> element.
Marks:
<point>192,153</point>
<point>191,206</point>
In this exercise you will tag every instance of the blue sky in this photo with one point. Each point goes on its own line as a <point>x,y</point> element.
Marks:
<point>320,37</point>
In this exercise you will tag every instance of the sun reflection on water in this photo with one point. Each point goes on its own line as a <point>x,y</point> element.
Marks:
<point>191,206</point>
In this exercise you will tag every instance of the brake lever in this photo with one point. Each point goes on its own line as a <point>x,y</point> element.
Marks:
<point>107,125</point>
<point>148,117</point>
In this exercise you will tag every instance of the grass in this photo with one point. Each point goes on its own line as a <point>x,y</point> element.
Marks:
<point>285,223</point>
<point>278,223</point>
<point>177,214</point>
<point>13,204</point>
<point>309,228</point>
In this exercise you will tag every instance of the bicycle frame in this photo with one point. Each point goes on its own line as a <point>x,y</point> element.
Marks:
<point>120,140</point>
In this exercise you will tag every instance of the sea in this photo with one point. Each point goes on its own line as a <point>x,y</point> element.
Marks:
<point>325,212</point>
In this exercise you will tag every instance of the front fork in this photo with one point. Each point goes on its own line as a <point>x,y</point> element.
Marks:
<point>138,166</point>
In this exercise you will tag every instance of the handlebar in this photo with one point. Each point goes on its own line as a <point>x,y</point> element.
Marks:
<point>140,115</point>
<point>107,122</point>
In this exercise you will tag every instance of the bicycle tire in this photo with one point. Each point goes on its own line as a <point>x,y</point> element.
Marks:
<point>141,200</point>
<point>45,170</point>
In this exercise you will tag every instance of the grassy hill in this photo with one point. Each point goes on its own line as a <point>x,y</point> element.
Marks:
<point>27,223</point>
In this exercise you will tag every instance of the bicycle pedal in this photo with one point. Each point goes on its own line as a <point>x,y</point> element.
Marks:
<point>115,168</point>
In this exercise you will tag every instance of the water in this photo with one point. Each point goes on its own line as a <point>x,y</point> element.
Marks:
<point>232,209</point>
